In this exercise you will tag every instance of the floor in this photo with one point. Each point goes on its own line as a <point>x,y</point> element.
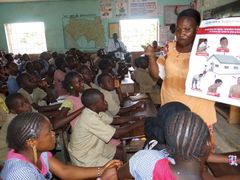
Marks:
<point>227,136</point>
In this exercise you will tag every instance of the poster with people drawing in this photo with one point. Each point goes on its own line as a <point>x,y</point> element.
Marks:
<point>214,67</point>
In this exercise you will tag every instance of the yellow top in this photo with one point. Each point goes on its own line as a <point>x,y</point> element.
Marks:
<point>173,87</point>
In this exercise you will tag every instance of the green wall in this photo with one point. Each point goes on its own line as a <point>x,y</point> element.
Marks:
<point>51,14</point>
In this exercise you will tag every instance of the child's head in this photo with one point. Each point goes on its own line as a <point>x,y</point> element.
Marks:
<point>224,42</point>
<point>61,63</point>
<point>71,62</point>
<point>12,68</point>
<point>26,81</point>
<point>154,129</point>
<point>17,103</point>
<point>106,82</point>
<point>187,135</point>
<point>141,62</point>
<point>73,82</point>
<point>94,100</point>
<point>218,82</point>
<point>86,73</point>
<point>30,131</point>
<point>30,68</point>
<point>105,65</point>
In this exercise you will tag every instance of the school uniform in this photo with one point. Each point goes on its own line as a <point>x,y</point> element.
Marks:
<point>147,84</point>
<point>88,143</point>
<point>37,96</point>
<point>113,101</point>
<point>3,135</point>
<point>92,85</point>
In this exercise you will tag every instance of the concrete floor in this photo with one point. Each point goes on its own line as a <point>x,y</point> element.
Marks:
<point>227,136</point>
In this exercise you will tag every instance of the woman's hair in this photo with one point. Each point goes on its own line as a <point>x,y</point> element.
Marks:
<point>67,80</point>
<point>23,127</point>
<point>186,135</point>
<point>191,13</point>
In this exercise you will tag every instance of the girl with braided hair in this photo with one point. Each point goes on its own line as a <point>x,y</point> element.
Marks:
<point>30,137</point>
<point>186,151</point>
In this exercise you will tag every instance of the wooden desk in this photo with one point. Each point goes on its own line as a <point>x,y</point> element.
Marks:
<point>223,169</point>
<point>149,111</point>
<point>231,113</point>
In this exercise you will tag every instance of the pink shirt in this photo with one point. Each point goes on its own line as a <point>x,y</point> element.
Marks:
<point>73,103</point>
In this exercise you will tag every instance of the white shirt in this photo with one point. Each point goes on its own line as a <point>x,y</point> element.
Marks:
<point>113,46</point>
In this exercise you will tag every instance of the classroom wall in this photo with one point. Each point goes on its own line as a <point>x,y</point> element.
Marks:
<point>52,12</point>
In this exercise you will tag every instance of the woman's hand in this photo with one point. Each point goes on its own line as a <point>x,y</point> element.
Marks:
<point>113,163</point>
<point>149,51</point>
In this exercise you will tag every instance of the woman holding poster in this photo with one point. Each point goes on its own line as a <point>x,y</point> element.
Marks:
<point>174,68</point>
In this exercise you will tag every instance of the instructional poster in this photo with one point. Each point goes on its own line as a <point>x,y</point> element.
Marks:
<point>214,67</point>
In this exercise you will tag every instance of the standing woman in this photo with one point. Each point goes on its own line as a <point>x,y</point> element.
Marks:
<point>173,70</point>
<point>30,137</point>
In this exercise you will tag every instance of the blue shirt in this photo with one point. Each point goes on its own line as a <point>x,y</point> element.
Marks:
<point>12,84</point>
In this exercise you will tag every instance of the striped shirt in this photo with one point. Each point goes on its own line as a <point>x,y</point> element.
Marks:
<point>142,164</point>
<point>17,167</point>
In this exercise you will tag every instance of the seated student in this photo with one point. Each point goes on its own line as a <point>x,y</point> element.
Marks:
<point>73,83</point>
<point>187,149</point>
<point>106,84</point>
<point>88,143</point>
<point>59,74</point>
<point>12,84</point>
<point>16,104</point>
<point>30,138</point>
<point>105,67</point>
<point>72,63</point>
<point>87,77</point>
<point>36,96</point>
<point>3,109</point>
<point>145,81</point>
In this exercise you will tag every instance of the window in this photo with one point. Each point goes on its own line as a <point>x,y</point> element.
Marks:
<point>137,32</point>
<point>235,67</point>
<point>26,37</point>
<point>226,67</point>
<point>216,65</point>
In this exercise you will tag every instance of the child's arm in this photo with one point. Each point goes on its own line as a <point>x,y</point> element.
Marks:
<point>74,172</point>
<point>139,106</point>
<point>120,132</point>
<point>124,173</point>
<point>45,108</point>
<point>124,119</point>
<point>61,122</point>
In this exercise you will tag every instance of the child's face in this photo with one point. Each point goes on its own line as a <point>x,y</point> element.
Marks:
<point>13,69</point>
<point>77,83</point>
<point>30,82</point>
<point>22,105</point>
<point>46,138</point>
<point>101,104</point>
<point>108,83</point>
<point>87,75</point>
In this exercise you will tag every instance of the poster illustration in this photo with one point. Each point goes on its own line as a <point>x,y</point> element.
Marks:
<point>105,8</point>
<point>121,8</point>
<point>214,67</point>
<point>143,8</point>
